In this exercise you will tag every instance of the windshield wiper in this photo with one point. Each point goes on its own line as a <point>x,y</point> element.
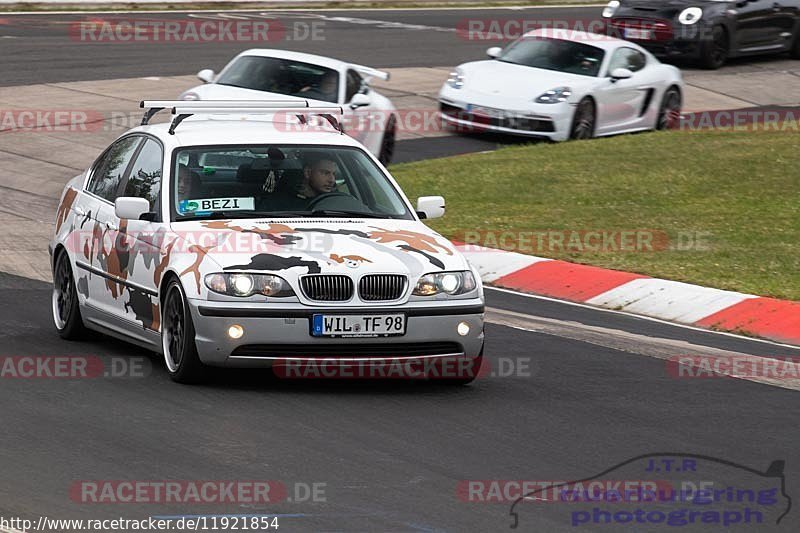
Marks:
<point>343,212</point>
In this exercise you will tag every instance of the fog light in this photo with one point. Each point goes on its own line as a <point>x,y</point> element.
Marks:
<point>235,332</point>
<point>463,329</point>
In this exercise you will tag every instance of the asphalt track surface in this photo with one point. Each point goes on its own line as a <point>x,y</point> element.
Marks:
<point>390,455</point>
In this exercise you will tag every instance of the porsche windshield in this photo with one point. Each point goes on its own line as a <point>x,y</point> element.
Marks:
<point>282,76</point>
<point>257,181</point>
<point>555,54</point>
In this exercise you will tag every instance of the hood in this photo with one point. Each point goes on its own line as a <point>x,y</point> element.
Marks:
<point>214,91</point>
<point>291,248</point>
<point>518,82</point>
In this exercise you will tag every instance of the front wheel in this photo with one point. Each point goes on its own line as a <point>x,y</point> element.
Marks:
<point>66,312</point>
<point>388,142</point>
<point>714,52</point>
<point>795,51</point>
<point>669,115</point>
<point>583,122</point>
<point>177,338</point>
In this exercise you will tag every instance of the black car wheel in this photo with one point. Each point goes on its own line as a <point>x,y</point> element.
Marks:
<point>177,338</point>
<point>669,115</point>
<point>714,52</point>
<point>795,51</point>
<point>387,145</point>
<point>66,313</point>
<point>583,122</point>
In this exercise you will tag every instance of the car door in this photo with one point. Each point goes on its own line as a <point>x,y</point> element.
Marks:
<point>140,251</point>
<point>620,102</point>
<point>108,268</point>
<point>758,24</point>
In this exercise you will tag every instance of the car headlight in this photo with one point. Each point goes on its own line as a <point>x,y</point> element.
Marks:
<point>690,15</point>
<point>245,285</point>
<point>610,9</point>
<point>452,283</point>
<point>456,79</point>
<point>190,96</point>
<point>554,96</point>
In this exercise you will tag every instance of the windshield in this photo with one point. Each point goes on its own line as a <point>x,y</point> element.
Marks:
<point>300,181</point>
<point>283,76</point>
<point>555,54</point>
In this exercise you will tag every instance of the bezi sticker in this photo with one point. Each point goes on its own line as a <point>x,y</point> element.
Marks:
<point>217,204</point>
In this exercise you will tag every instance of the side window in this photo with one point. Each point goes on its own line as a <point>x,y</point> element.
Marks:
<point>110,170</point>
<point>144,180</point>
<point>354,83</point>
<point>628,58</point>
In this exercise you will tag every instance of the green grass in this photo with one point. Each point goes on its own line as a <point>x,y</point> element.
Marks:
<point>741,190</point>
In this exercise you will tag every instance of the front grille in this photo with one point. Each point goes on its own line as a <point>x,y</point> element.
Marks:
<point>327,287</point>
<point>350,350</point>
<point>510,120</point>
<point>377,287</point>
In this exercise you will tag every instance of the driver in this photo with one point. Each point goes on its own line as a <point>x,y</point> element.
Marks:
<point>319,175</point>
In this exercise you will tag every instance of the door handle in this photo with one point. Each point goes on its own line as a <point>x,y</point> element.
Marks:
<point>111,226</point>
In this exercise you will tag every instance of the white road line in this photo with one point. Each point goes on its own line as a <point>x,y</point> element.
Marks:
<point>648,318</point>
<point>654,347</point>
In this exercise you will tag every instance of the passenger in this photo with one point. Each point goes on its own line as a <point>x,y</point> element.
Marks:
<point>325,89</point>
<point>185,183</point>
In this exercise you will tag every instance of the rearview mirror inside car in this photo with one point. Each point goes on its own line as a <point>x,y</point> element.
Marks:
<point>430,207</point>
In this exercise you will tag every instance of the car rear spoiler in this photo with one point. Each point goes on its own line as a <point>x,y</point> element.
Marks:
<point>371,72</point>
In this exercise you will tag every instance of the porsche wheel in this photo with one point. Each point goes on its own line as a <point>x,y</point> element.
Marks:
<point>388,142</point>
<point>715,50</point>
<point>669,115</point>
<point>177,338</point>
<point>583,122</point>
<point>66,312</point>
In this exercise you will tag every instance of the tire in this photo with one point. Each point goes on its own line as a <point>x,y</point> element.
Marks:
<point>583,123</point>
<point>66,311</point>
<point>388,142</point>
<point>714,52</point>
<point>794,53</point>
<point>669,114</point>
<point>177,338</point>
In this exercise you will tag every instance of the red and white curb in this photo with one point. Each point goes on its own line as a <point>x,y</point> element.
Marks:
<point>769,318</point>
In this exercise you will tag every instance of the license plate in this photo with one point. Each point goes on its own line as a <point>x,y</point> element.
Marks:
<point>485,111</point>
<point>636,33</point>
<point>358,325</point>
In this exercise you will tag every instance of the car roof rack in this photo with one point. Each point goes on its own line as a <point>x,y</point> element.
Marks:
<point>183,109</point>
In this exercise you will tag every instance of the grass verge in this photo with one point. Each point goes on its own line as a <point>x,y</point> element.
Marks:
<point>723,208</point>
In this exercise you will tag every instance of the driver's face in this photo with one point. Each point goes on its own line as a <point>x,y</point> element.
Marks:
<point>321,177</point>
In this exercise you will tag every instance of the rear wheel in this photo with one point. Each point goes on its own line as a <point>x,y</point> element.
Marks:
<point>715,50</point>
<point>66,312</point>
<point>669,115</point>
<point>795,51</point>
<point>388,142</point>
<point>583,122</point>
<point>177,338</point>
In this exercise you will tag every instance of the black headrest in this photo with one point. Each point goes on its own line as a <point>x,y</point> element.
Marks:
<point>246,173</point>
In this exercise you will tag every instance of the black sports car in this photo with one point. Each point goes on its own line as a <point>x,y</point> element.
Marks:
<point>709,31</point>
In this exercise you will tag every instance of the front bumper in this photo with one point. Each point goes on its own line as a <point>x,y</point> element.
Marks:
<point>545,121</point>
<point>274,334</point>
<point>668,38</point>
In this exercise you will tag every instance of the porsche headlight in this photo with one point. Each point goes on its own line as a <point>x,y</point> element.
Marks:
<point>554,96</point>
<point>610,9</point>
<point>456,79</point>
<point>452,283</point>
<point>245,285</point>
<point>690,16</point>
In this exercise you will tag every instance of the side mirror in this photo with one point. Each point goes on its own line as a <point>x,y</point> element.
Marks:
<point>131,207</point>
<point>494,52</point>
<point>430,207</point>
<point>621,74</point>
<point>360,100</point>
<point>206,75</point>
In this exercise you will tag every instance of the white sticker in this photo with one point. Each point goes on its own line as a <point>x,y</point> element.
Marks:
<point>217,204</point>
